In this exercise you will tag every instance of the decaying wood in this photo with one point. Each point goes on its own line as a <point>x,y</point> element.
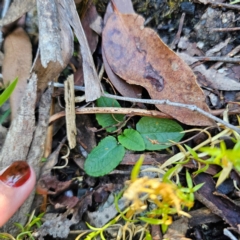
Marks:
<point>53,69</point>
<point>16,10</point>
<point>69,97</point>
<point>19,137</point>
<point>202,216</point>
<point>49,32</point>
<point>37,146</point>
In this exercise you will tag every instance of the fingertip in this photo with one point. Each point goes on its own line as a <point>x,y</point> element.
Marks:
<point>16,184</point>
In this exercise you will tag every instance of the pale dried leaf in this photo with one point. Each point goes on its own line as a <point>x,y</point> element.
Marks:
<point>97,25</point>
<point>17,63</point>
<point>91,80</point>
<point>217,48</point>
<point>16,10</point>
<point>214,79</point>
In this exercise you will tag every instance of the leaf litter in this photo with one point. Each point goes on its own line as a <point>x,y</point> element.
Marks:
<point>132,54</point>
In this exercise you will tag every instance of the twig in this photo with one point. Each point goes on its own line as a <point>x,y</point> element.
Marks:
<point>220,59</point>
<point>178,35</point>
<point>162,102</point>
<point>230,54</point>
<point>182,105</point>
<point>225,29</point>
<point>112,110</point>
<point>225,5</point>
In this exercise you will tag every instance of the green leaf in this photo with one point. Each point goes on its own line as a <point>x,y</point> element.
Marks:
<point>164,228</point>
<point>151,220</point>
<point>156,132</point>
<point>148,236</point>
<point>7,92</point>
<point>106,120</point>
<point>197,187</point>
<point>4,116</point>
<point>132,140</point>
<point>136,168</point>
<point>104,158</point>
<point>20,226</point>
<point>189,180</point>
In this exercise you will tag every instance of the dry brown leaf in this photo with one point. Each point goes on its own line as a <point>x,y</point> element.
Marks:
<point>16,10</point>
<point>139,56</point>
<point>127,90</point>
<point>17,63</point>
<point>89,17</point>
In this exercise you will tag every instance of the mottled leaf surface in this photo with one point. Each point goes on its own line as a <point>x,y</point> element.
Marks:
<point>156,132</point>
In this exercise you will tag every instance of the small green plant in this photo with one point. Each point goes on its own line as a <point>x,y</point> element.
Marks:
<point>27,230</point>
<point>7,92</point>
<point>227,159</point>
<point>150,134</point>
<point>4,96</point>
<point>167,197</point>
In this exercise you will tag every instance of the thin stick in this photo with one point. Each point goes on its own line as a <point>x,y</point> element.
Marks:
<point>178,35</point>
<point>113,110</point>
<point>162,102</point>
<point>225,29</point>
<point>175,104</point>
<point>225,5</point>
<point>220,59</point>
<point>230,54</point>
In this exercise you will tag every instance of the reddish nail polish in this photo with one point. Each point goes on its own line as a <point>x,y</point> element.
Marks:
<point>16,174</point>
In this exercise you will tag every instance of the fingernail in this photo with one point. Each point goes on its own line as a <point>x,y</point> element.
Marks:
<point>16,174</point>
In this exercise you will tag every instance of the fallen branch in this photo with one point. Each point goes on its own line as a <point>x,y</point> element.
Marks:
<point>164,101</point>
